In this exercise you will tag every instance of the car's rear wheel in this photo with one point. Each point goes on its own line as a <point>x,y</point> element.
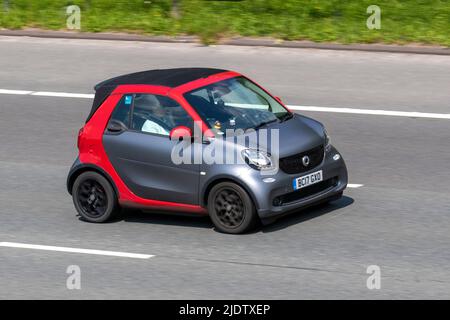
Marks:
<point>94,197</point>
<point>231,209</point>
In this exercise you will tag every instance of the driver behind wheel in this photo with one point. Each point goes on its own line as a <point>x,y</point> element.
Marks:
<point>155,115</point>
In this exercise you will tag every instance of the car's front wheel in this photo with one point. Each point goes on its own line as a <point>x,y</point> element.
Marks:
<point>94,197</point>
<point>231,209</point>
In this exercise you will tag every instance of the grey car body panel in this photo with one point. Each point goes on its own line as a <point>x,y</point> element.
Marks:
<point>295,135</point>
<point>70,177</point>
<point>143,161</point>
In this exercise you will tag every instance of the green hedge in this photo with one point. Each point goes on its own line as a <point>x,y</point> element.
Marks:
<point>402,21</point>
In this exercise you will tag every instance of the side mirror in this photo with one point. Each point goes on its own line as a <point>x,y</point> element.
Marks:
<point>115,126</point>
<point>180,133</point>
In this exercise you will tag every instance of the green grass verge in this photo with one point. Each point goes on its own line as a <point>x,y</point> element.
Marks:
<point>344,21</point>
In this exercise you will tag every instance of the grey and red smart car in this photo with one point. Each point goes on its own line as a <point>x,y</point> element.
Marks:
<point>126,150</point>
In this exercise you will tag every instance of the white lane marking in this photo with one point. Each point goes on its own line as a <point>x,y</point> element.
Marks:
<point>354,185</point>
<point>75,250</point>
<point>408,114</point>
<point>6,91</point>
<point>392,113</point>
<point>48,94</point>
<point>63,94</point>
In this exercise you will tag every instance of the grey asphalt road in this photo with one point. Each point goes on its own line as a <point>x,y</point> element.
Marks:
<point>399,220</point>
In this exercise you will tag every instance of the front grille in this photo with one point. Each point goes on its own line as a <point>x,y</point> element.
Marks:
<point>293,164</point>
<point>305,192</point>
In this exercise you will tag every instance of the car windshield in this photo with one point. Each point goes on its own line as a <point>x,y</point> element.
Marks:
<point>235,103</point>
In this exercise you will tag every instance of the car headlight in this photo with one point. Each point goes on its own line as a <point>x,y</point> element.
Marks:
<point>327,140</point>
<point>257,159</point>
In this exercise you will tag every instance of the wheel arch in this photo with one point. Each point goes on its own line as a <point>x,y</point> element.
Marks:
<point>76,171</point>
<point>214,182</point>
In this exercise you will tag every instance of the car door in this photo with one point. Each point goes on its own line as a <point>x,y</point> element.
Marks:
<point>139,148</point>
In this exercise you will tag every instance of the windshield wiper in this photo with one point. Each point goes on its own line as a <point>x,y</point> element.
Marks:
<point>264,123</point>
<point>286,116</point>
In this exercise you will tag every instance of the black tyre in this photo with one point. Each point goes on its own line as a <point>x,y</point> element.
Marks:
<point>94,197</point>
<point>231,209</point>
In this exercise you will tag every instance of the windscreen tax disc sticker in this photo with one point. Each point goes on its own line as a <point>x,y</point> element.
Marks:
<point>128,99</point>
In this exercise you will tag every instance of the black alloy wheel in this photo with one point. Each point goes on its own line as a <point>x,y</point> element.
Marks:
<point>231,208</point>
<point>94,197</point>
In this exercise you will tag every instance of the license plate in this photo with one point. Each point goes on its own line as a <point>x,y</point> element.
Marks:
<point>307,180</point>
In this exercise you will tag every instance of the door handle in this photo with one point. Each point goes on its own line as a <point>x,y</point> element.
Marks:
<point>115,126</point>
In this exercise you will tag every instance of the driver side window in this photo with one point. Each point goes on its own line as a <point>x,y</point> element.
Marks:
<point>158,114</point>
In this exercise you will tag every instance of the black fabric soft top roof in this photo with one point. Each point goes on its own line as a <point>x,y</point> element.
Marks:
<point>159,77</point>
